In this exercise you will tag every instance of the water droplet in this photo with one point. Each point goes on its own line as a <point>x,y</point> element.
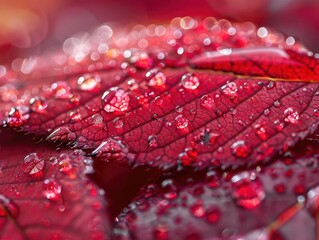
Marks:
<point>266,112</point>
<point>118,123</point>
<point>209,137</point>
<point>89,82</point>
<point>197,210</point>
<point>230,89</point>
<point>271,85</point>
<point>64,165</point>
<point>240,149</point>
<point>190,81</point>
<point>277,103</point>
<point>188,157</point>
<point>141,60</point>
<point>111,149</point>
<point>115,99</point>
<point>8,207</point>
<point>207,102</point>
<point>51,189</point>
<point>152,141</point>
<point>160,232</point>
<point>75,116</point>
<point>18,116</point>
<point>155,78</point>
<point>61,90</point>
<point>33,164</point>
<point>291,115</point>
<point>261,132</point>
<point>62,134</point>
<point>248,191</point>
<point>38,104</point>
<point>213,215</point>
<point>181,122</point>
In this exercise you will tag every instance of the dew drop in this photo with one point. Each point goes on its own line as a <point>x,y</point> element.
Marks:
<point>213,215</point>
<point>152,141</point>
<point>111,149</point>
<point>118,123</point>
<point>190,81</point>
<point>241,149</point>
<point>155,78</point>
<point>62,134</point>
<point>181,122</point>
<point>8,207</point>
<point>64,165</point>
<point>115,100</point>
<point>248,191</point>
<point>230,89</point>
<point>89,82</point>
<point>266,112</point>
<point>277,103</point>
<point>271,85</point>
<point>18,116</point>
<point>261,132</point>
<point>61,90</point>
<point>33,164</point>
<point>197,210</point>
<point>38,104</point>
<point>207,102</point>
<point>51,189</point>
<point>188,157</point>
<point>291,115</point>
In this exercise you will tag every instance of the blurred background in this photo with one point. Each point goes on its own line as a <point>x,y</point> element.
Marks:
<point>27,27</point>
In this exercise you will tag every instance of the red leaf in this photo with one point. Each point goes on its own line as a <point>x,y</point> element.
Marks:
<point>279,200</point>
<point>45,193</point>
<point>163,105</point>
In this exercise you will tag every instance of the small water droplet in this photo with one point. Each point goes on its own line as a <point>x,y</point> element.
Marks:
<point>197,210</point>
<point>188,157</point>
<point>291,115</point>
<point>8,207</point>
<point>115,100</point>
<point>266,112</point>
<point>62,134</point>
<point>277,103</point>
<point>61,90</point>
<point>18,116</point>
<point>155,78</point>
<point>152,141</point>
<point>261,132</point>
<point>271,85</point>
<point>181,122</point>
<point>75,116</point>
<point>241,149</point>
<point>51,189</point>
<point>118,123</point>
<point>213,215</point>
<point>38,104</point>
<point>64,165</point>
<point>248,191</point>
<point>230,89</point>
<point>207,102</point>
<point>89,82</point>
<point>190,81</point>
<point>33,164</point>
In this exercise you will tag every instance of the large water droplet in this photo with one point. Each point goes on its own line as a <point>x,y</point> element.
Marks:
<point>241,149</point>
<point>181,122</point>
<point>61,90</point>
<point>291,115</point>
<point>248,191</point>
<point>155,78</point>
<point>111,149</point>
<point>89,82</point>
<point>33,164</point>
<point>230,89</point>
<point>115,99</point>
<point>8,207</point>
<point>18,116</point>
<point>207,102</point>
<point>190,81</point>
<point>38,104</point>
<point>62,134</point>
<point>51,189</point>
